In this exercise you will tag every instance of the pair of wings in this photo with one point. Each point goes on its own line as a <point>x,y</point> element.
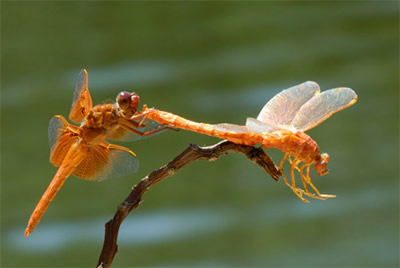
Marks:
<point>102,161</point>
<point>298,108</point>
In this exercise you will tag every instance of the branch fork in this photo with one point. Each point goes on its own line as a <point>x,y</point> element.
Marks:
<point>190,154</point>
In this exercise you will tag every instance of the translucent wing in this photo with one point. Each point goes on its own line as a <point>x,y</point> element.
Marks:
<point>61,137</point>
<point>81,102</point>
<point>322,106</point>
<point>282,108</point>
<point>105,161</point>
<point>123,134</point>
<point>258,126</point>
<point>231,128</point>
<point>236,134</point>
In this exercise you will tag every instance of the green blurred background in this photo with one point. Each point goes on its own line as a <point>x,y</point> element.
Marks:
<point>210,62</point>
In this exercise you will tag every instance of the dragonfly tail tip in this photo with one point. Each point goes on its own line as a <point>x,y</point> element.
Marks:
<point>28,231</point>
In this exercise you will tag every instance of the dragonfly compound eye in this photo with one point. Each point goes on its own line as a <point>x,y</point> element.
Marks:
<point>322,164</point>
<point>124,100</point>
<point>135,99</point>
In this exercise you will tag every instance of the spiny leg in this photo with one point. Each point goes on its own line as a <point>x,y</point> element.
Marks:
<point>304,179</point>
<point>298,192</point>
<point>145,111</point>
<point>308,179</point>
<point>144,121</point>
<point>298,169</point>
<point>142,115</point>
<point>281,169</point>
<point>132,127</point>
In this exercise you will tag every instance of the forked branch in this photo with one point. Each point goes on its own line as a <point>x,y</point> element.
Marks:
<point>191,154</point>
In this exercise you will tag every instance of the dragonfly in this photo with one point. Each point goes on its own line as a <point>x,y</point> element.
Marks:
<point>280,124</point>
<point>83,150</point>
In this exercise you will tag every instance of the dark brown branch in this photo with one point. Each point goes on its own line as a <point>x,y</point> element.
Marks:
<point>191,154</point>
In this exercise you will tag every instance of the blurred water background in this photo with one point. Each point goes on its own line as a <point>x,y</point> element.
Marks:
<point>211,62</point>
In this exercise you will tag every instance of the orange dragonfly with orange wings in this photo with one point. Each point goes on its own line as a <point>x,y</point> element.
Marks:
<point>281,124</point>
<point>83,151</point>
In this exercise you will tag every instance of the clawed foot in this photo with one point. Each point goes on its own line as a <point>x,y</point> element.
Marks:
<point>300,192</point>
<point>305,179</point>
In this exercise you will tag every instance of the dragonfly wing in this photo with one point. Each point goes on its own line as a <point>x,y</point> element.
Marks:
<point>105,160</point>
<point>322,106</point>
<point>121,134</point>
<point>231,128</point>
<point>61,137</point>
<point>258,126</point>
<point>282,108</point>
<point>81,102</point>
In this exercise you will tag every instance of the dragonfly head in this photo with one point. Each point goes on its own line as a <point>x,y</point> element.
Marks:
<point>128,102</point>
<point>321,165</point>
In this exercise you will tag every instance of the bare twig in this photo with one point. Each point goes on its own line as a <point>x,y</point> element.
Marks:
<point>191,154</point>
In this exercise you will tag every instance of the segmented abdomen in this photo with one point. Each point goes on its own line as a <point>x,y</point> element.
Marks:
<point>165,118</point>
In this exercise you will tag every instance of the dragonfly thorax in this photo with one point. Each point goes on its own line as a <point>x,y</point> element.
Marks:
<point>100,120</point>
<point>303,147</point>
<point>297,144</point>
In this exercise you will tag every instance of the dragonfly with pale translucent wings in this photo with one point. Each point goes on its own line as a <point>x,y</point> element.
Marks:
<point>83,150</point>
<point>281,124</point>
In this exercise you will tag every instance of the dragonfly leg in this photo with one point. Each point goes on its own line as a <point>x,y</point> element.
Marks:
<point>281,169</point>
<point>320,196</point>
<point>154,130</point>
<point>144,122</point>
<point>307,179</point>
<point>297,191</point>
<point>143,115</point>
<point>132,127</point>
<point>301,173</point>
<point>134,120</point>
<point>300,170</point>
<point>145,111</point>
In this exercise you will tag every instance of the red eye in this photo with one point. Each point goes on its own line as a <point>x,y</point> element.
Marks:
<point>128,102</point>
<point>124,100</point>
<point>134,102</point>
<point>322,165</point>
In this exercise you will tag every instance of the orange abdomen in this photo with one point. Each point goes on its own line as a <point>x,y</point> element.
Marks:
<point>74,156</point>
<point>165,118</point>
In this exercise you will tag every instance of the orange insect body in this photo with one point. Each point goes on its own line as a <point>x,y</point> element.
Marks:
<point>280,124</point>
<point>176,121</point>
<point>74,157</point>
<point>83,151</point>
<point>102,119</point>
<point>296,144</point>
